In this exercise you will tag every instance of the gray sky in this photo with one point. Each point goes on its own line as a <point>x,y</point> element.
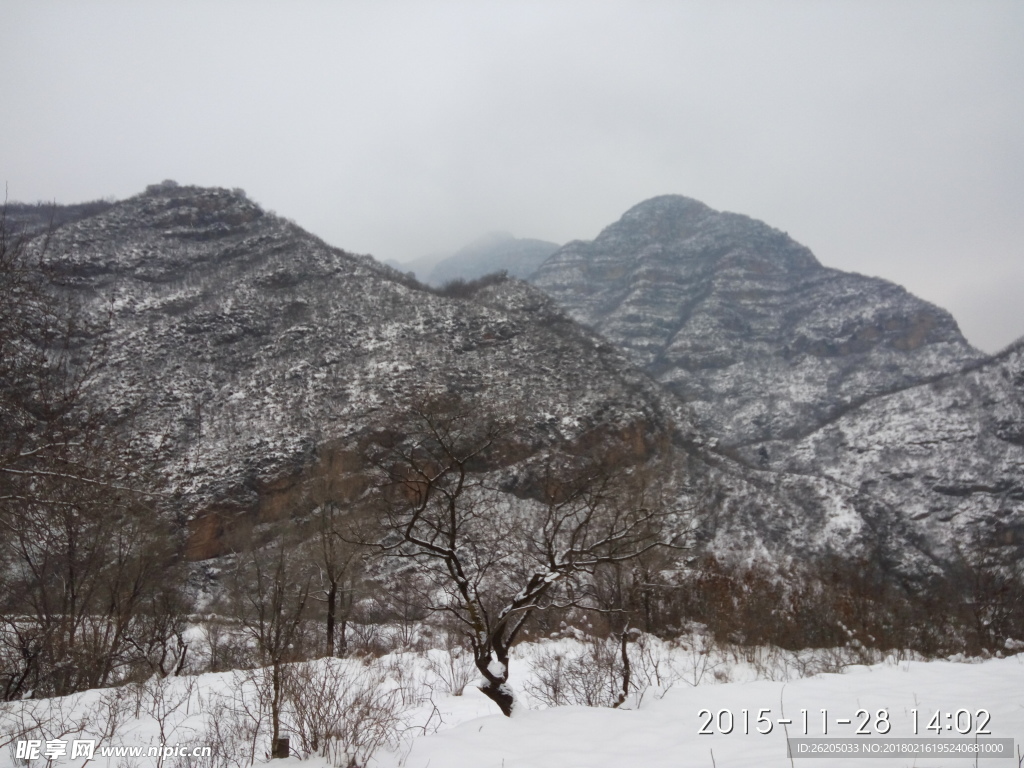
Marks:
<point>887,136</point>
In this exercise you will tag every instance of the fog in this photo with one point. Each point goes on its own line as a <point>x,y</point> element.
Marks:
<point>886,136</point>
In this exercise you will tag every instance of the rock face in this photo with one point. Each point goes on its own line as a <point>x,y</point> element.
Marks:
<point>494,252</point>
<point>743,322</point>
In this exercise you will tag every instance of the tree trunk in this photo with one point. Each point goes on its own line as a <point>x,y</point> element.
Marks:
<point>626,669</point>
<point>332,600</point>
<point>501,695</point>
<point>275,710</point>
<point>496,687</point>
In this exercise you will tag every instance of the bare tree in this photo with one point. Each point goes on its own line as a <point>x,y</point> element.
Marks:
<point>270,588</point>
<point>491,559</point>
<point>50,352</point>
<point>338,525</point>
<point>85,573</point>
<point>336,565</point>
<point>989,573</point>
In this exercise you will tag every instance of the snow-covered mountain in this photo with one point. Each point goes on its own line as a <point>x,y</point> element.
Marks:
<point>257,357</point>
<point>948,454</point>
<point>255,353</point>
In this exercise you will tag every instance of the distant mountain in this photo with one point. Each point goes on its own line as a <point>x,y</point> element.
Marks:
<point>493,252</point>
<point>744,324</point>
<point>420,267</point>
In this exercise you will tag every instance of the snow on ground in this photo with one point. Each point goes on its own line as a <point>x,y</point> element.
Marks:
<point>663,733</point>
<point>440,730</point>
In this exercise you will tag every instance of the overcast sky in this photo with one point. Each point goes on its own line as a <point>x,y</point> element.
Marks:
<point>887,136</point>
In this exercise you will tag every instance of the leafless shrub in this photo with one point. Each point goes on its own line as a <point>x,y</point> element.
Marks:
<point>225,647</point>
<point>238,720</point>
<point>41,719</point>
<point>587,673</point>
<point>549,685</point>
<point>106,717</point>
<point>233,729</point>
<point>453,668</point>
<point>164,700</point>
<point>367,640</point>
<point>590,670</point>
<point>699,658</point>
<point>781,665</point>
<point>407,677</point>
<point>655,665</point>
<point>61,718</point>
<point>341,711</point>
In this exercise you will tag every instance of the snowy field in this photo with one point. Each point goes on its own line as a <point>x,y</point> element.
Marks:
<point>665,732</point>
<point>407,706</point>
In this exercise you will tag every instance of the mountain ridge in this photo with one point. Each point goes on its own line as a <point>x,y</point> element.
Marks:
<point>261,354</point>
<point>255,348</point>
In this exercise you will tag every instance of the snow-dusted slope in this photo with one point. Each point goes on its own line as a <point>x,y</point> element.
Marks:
<point>847,381</point>
<point>949,454</point>
<point>666,732</point>
<point>254,353</point>
<point>660,728</point>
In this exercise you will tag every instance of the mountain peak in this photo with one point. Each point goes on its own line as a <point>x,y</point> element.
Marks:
<point>667,205</point>
<point>721,308</point>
